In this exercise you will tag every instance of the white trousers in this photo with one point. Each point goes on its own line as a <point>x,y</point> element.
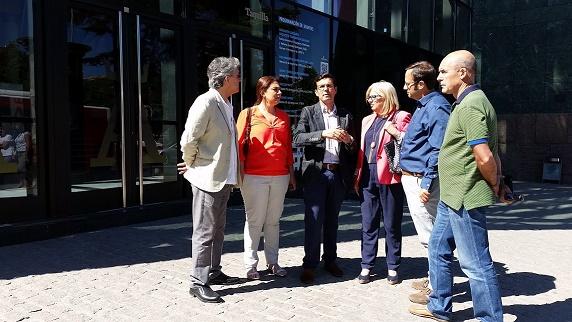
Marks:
<point>263,202</point>
<point>423,214</point>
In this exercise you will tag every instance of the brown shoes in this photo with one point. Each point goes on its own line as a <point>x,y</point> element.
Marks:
<point>333,269</point>
<point>307,276</point>
<point>422,311</point>
<point>421,297</point>
<point>420,284</point>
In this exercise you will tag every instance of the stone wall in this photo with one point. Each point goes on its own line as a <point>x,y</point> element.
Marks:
<point>525,63</point>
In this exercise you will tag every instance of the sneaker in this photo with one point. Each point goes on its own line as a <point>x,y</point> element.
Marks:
<point>421,297</point>
<point>277,270</point>
<point>422,311</point>
<point>420,284</point>
<point>252,274</point>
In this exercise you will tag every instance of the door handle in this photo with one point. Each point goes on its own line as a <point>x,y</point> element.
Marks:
<point>241,76</point>
<point>140,121</point>
<point>122,106</point>
<point>230,55</point>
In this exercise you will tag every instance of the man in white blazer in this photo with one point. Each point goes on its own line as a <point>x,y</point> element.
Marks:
<point>210,155</point>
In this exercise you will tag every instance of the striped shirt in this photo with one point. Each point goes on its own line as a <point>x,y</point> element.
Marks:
<point>473,119</point>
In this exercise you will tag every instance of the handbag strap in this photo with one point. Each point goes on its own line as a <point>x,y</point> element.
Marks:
<point>248,125</point>
<point>391,118</point>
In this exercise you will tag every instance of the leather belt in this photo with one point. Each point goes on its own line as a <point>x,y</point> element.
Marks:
<point>330,166</point>
<point>411,174</point>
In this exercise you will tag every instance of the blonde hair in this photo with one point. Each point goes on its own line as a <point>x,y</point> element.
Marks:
<point>391,103</point>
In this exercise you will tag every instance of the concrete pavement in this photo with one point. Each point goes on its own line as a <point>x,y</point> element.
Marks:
<point>140,272</point>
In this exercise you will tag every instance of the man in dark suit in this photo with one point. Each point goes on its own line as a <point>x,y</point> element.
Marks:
<point>325,131</point>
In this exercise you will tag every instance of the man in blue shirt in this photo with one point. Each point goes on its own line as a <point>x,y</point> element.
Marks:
<point>419,154</point>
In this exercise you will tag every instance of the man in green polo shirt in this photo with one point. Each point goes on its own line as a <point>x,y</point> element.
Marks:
<point>469,170</point>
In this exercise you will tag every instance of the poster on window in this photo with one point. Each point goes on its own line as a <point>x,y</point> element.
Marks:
<point>302,46</point>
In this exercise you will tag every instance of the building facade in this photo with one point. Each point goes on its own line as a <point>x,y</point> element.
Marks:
<point>94,93</point>
<point>523,48</point>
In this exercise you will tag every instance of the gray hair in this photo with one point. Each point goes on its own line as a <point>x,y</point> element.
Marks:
<point>219,68</point>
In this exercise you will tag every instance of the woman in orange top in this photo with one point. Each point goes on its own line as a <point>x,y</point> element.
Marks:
<point>267,170</point>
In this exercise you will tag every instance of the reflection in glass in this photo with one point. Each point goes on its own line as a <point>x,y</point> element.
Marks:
<point>443,26</point>
<point>95,124</point>
<point>302,52</point>
<point>463,28</point>
<point>365,16</point>
<point>253,64</point>
<point>210,49</point>
<point>420,23</point>
<point>251,17</point>
<point>324,6</point>
<point>159,99</point>
<point>345,9</point>
<point>171,7</point>
<point>397,12</point>
<point>18,161</point>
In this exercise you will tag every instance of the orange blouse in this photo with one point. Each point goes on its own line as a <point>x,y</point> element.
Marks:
<point>270,144</point>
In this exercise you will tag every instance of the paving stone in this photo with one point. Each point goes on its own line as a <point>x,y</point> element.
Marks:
<point>127,273</point>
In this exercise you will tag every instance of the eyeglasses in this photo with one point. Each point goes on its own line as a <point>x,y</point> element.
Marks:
<point>407,85</point>
<point>373,98</point>
<point>236,75</point>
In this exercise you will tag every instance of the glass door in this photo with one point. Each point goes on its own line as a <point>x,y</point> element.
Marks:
<point>124,95</point>
<point>97,109</point>
<point>158,101</point>
<point>21,193</point>
<point>254,63</point>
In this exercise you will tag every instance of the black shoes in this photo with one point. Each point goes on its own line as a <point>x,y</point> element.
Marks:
<point>205,294</point>
<point>392,280</point>
<point>364,279</point>
<point>223,279</point>
<point>333,269</point>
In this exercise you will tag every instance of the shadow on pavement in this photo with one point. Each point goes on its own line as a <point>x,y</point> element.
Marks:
<point>512,284</point>
<point>167,239</point>
<point>547,207</point>
<point>269,281</point>
<point>560,311</point>
<point>350,266</point>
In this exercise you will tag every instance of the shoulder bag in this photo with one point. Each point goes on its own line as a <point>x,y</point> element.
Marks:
<point>393,150</point>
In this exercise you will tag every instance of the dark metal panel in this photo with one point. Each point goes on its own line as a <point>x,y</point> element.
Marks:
<point>57,108</point>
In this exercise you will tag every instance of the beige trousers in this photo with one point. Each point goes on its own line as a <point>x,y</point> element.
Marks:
<point>423,214</point>
<point>263,202</point>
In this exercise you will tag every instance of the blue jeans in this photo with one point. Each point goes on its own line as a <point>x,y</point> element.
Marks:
<point>467,230</point>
